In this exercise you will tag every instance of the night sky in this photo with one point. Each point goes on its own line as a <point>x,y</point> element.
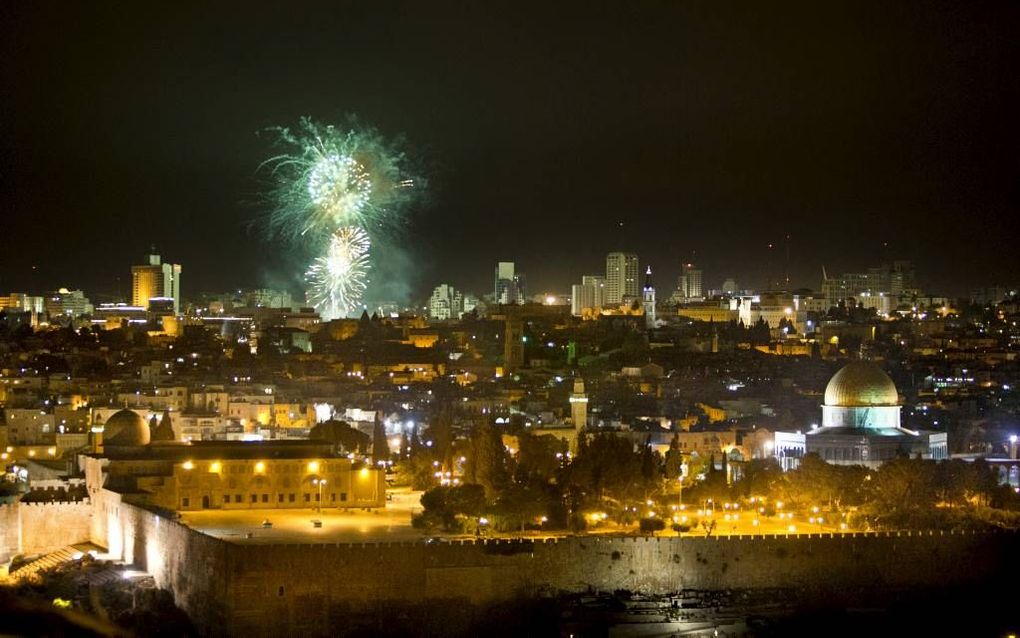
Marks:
<point>550,136</point>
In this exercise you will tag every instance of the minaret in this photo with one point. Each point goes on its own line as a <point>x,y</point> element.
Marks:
<point>648,296</point>
<point>579,405</point>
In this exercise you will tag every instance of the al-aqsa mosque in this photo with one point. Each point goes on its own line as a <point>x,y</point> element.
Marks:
<point>860,424</point>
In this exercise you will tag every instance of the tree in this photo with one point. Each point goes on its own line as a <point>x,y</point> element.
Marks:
<point>674,459</point>
<point>519,505</point>
<point>487,459</point>
<point>446,506</point>
<point>606,463</point>
<point>536,459</point>
<point>340,433</point>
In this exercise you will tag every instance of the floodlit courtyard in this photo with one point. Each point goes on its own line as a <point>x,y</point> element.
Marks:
<point>298,525</point>
<point>393,523</point>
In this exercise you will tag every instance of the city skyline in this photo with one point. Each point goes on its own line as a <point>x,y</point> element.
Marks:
<point>897,146</point>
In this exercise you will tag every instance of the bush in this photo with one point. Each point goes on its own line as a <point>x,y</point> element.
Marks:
<point>650,525</point>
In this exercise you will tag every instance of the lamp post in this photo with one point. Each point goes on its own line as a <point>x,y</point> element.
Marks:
<point>320,483</point>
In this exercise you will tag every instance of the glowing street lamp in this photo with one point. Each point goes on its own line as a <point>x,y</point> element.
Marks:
<point>320,483</point>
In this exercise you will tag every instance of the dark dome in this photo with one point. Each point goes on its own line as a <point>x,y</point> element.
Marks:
<point>859,384</point>
<point>125,428</point>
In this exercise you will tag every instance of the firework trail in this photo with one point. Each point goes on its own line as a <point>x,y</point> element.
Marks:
<point>337,280</point>
<point>333,190</point>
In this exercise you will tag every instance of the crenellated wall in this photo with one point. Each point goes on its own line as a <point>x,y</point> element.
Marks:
<point>36,528</point>
<point>267,590</point>
<point>46,527</point>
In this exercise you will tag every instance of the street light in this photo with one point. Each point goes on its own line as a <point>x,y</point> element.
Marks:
<point>320,483</point>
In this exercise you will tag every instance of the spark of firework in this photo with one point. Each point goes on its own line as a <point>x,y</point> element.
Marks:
<point>328,177</point>
<point>337,280</point>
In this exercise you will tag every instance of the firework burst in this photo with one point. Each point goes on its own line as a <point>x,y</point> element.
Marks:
<point>337,280</point>
<point>333,192</point>
<point>330,177</point>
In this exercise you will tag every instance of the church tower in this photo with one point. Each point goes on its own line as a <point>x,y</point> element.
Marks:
<point>648,300</point>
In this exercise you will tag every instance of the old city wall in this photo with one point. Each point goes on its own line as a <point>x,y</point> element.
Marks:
<point>46,527</point>
<point>10,531</point>
<point>36,528</point>
<point>311,588</point>
<point>193,566</point>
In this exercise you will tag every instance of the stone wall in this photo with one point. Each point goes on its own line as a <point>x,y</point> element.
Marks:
<point>267,590</point>
<point>36,528</point>
<point>309,588</point>
<point>46,527</point>
<point>10,531</point>
<point>193,566</point>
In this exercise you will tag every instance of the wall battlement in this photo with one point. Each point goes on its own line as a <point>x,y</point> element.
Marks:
<point>40,527</point>
<point>732,538</point>
<point>264,590</point>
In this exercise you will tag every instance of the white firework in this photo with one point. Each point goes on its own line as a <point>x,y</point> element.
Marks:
<point>339,189</point>
<point>337,280</point>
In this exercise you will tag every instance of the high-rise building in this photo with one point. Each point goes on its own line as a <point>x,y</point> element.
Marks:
<point>689,283</point>
<point>621,278</point>
<point>896,280</point>
<point>509,289</point>
<point>588,295</point>
<point>648,299</point>
<point>69,303</point>
<point>445,303</point>
<point>155,280</point>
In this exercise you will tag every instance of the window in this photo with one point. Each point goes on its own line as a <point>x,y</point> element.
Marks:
<point>237,498</point>
<point>226,498</point>
<point>279,498</point>
<point>290,498</point>
<point>343,496</point>
<point>185,502</point>
<point>265,498</point>
<point>317,496</point>
<point>254,498</point>
<point>332,497</point>
<point>308,497</point>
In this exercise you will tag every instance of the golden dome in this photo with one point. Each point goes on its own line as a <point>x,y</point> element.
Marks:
<point>861,383</point>
<point>125,428</point>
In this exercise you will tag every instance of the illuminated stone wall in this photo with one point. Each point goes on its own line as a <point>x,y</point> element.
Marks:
<point>267,590</point>
<point>305,589</point>
<point>193,566</point>
<point>10,531</point>
<point>37,528</point>
<point>46,527</point>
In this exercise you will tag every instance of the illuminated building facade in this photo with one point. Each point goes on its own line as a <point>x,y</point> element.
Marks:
<point>446,303</point>
<point>589,295</point>
<point>688,285</point>
<point>509,288</point>
<point>216,475</point>
<point>154,280</point>
<point>648,300</point>
<point>621,278</point>
<point>861,424</point>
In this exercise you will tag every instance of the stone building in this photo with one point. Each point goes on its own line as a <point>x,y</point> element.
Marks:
<point>860,424</point>
<point>184,476</point>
